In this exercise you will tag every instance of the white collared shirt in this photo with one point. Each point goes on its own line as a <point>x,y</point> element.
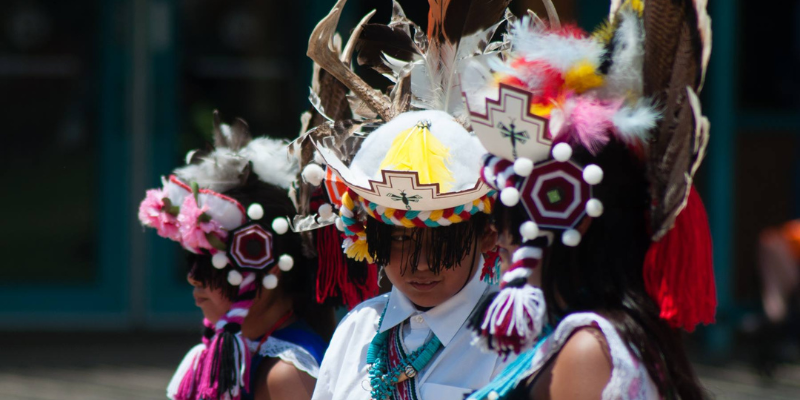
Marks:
<point>457,370</point>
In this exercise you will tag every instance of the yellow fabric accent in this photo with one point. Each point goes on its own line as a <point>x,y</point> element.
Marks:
<point>407,223</point>
<point>416,149</point>
<point>359,250</point>
<point>436,215</point>
<point>582,77</point>
<point>541,110</point>
<point>455,218</point>
<point>347,202</point>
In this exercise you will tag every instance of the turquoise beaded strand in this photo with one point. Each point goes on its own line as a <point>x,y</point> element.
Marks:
<point>382,379</point>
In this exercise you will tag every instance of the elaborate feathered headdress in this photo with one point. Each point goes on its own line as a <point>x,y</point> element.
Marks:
<point>198,208</point>
<point>405,158</point>
<point>635,81</point>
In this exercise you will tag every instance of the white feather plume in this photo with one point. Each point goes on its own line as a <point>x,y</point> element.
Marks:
<point>534,43</point>
<point>271,161</point>
<point>624,77</point>
<point>635,123</point>
<point>477,81</point>
<point>221,170</point>
<point>436,76</point>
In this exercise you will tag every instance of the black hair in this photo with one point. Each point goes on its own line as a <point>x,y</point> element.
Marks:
<point>298,283</point>
<point>604,273</point>
<point>452,243</point>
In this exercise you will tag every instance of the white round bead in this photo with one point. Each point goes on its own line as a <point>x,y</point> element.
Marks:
<point>280,225</point>
<point>562,152</point>
<point>529,230</point>
<point>493,395</point>
<point>270,281</point>
<point>594,208</point>
<point>325,211</point>
<point>509,196</point>
<point>571,237</point>
<point>234,278</point>
<point>219,260</point>
<point>285,262</point>
<point>339,224</point>
<point>593,174</point>
<point>313,174</point>
<point>523,166</point>
<point>255,211</point>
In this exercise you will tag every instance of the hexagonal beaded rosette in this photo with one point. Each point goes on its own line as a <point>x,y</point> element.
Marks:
<point>251,247</point>
<point>555,194</point>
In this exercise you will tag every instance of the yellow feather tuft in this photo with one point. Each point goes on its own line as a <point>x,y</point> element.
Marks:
<point>605,32</point>
<point>541,110</point>
<point>416,149</point>
<point>637,5</point>
<point>582,77</point>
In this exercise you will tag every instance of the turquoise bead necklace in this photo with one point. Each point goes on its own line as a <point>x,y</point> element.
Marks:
<point>382,378</point>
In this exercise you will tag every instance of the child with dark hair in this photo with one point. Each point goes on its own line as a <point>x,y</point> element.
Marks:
<point>608,241</point>
<point>411,202</point>
<point>264,332</point>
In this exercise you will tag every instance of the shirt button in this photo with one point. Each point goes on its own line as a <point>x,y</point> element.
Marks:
<point>419,319</point>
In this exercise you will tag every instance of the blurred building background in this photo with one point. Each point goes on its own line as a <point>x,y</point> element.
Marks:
<point>100,97</point>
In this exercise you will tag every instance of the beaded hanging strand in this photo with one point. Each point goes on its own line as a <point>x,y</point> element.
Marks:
<point>383,378</point>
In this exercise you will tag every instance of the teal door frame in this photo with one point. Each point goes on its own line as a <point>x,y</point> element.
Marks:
<point>137,282</point>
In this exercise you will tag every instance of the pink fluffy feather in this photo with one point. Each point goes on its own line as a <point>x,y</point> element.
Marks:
<point>588,122</point>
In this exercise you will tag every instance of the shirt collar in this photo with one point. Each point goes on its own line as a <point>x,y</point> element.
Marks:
<point>445,319</point>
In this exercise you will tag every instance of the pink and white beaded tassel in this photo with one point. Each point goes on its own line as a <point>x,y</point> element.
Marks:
<point>222,370</point>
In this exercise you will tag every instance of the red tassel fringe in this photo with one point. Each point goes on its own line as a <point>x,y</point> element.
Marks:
<point>678,269</point>
<point>333,279</point>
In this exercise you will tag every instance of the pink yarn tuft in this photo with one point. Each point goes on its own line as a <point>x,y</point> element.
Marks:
<point>228,355</point>
<point>192,230</point>
<point>152,214</point>
<point>188,389</point>
<point>588,122</point>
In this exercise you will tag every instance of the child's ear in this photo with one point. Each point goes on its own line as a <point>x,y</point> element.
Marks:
<point>489,239</point>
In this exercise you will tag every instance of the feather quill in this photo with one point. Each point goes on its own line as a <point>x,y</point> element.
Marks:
<point>675,47</point>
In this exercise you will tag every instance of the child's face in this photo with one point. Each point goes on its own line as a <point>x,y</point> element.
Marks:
<point>421,285</point>
<point>213,304</point>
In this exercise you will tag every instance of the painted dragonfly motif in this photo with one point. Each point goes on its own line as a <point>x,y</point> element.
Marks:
<point>511,133</point>
<point>404,198</point>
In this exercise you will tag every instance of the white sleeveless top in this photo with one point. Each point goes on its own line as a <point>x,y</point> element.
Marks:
<point>629,377</point>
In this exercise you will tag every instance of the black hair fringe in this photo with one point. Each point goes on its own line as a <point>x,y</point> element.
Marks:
<point>452,243</point>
